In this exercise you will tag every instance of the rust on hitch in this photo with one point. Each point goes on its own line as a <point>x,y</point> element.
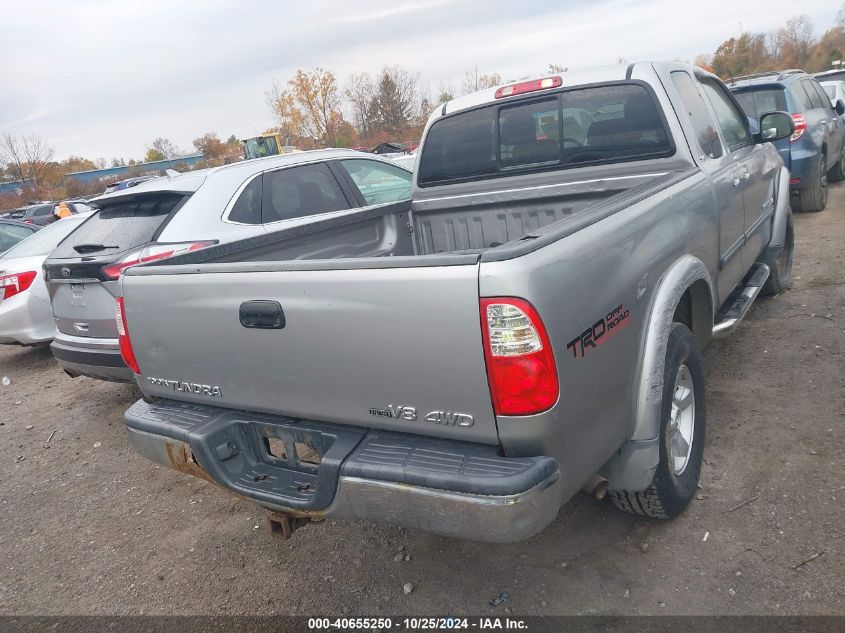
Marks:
<point>282,526</point>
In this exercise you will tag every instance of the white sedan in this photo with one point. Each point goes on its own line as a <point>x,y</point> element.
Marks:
<point>25,314</point>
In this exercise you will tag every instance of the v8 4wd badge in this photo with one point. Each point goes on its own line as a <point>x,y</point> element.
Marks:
<point>449,418</point>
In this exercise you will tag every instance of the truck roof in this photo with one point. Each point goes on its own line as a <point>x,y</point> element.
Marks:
<point>616,72</point>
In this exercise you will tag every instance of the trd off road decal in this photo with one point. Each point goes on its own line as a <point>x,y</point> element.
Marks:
<point>601,331</point>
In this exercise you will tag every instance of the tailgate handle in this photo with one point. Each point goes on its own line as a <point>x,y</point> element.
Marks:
<point>262,314</point>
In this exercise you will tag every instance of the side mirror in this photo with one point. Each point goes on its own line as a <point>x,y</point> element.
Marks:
<point>840,107</point>
<point>775,126</point>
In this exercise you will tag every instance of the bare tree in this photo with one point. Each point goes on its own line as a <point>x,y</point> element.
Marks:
<point>773,44</point>
<point>445,92</point>
<point>360,93</point>
<point>11,154</point>
<point>474,81</point>
<point>796,42</point>
<point>165,147</point>
<point>27,156</point>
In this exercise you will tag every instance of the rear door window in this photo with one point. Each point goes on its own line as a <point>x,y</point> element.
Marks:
<point>823,98</point>
<point>43,210</point>
<point>298,192</point>
<point>802,101</point>
<point>122,224</point>
<point>378,182</point>
<point>607,123</point>
<point>731,119</point>
<point>702,122</point>
<point>814,97</point>
<point>758,102</point>
<point>247,208</point>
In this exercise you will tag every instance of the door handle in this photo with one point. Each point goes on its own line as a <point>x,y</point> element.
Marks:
<point>266,315</point>
<point>735,179</point>
<point>744,171</point>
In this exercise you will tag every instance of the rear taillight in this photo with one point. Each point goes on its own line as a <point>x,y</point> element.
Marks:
<point>126,351</point>
<point>800,126</point>
<point>29,221</point>
<point>10,285</point>
<point>528,86</point>
<point>520,362</point>
<point>150,254</point>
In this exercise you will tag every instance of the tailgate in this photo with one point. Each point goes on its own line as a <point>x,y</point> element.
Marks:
<point>390,348</point>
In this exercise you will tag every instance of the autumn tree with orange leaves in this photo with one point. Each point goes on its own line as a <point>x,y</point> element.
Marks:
<point>308,106</point>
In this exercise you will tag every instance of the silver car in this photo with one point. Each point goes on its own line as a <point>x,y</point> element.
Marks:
<point>171,215</point>
<point>25,316</point>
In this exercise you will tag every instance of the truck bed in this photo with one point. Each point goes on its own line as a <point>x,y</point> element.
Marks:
<point>458,225</point>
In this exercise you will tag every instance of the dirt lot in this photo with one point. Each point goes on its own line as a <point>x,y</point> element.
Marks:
<point>87,527</point>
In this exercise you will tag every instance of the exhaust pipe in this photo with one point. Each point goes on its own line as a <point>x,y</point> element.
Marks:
<point>596,487</point>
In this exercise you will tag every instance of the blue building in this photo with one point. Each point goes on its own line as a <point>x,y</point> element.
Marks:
<point>139,169</point>
<point>15,186</point>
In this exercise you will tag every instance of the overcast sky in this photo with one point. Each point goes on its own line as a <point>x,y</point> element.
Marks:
<point>104,78</point>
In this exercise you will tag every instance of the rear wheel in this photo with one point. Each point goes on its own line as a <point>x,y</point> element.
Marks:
<point>780,267</point>
<point>814,196</point>
<point>837,172</point>
<point>681,434</point>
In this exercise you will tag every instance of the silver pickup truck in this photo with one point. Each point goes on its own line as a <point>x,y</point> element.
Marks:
<point>530,323</point>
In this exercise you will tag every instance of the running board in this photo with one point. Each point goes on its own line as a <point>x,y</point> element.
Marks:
<point>730,317</point>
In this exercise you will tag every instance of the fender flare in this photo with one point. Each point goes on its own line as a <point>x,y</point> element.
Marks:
<point>782,209</point>
<point>633,466</point>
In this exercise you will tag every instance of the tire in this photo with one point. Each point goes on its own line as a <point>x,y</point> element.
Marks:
<point>814,197</point>
<point>675,480</point>
<point>837,172</point>
<point>780,267</point>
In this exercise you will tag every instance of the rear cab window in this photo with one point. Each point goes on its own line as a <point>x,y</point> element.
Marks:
<point>122,224</point>
<point>570,128</point>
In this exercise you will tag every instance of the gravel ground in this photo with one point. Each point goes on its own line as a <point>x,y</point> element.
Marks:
<point>88,527</point>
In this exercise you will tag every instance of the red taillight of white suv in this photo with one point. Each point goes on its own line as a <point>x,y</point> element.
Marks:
<point>800,127</point>
<point>10,285</point>
<point>126,351</point>
<point>150,254</point>
<point>520,361</point>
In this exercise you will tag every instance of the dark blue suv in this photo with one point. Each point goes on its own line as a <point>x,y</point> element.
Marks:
<point>816,150</point>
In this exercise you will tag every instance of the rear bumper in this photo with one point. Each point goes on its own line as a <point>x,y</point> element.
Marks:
<point>102,363</point>
<point>803,167</point>
<point>447,487</point>
<point>25,320</point>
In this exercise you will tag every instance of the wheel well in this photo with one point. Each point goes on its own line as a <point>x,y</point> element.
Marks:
<point>695,310</point>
